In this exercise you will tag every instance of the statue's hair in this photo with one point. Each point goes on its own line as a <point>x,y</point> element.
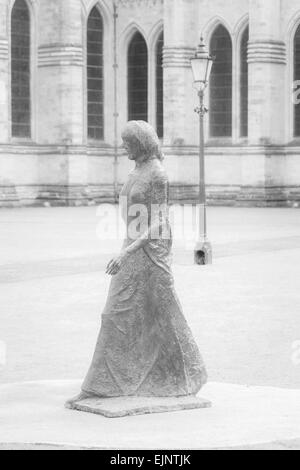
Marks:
<point>145,136</point>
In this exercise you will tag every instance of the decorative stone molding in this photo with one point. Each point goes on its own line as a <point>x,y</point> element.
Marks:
<point>177,56</point>
<point>82,195</point>
<point>267,51</point>
<point>3,49</point>
<point>60,55</point>
<point>138,2</point>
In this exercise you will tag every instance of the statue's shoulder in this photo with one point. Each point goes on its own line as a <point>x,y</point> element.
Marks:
<point>158,172</point>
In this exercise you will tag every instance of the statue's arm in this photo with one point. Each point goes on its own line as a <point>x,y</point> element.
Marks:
<point>157,206</point>
<point>156,201</point>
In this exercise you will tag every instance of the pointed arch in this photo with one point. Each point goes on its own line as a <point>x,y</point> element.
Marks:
<point>31,5</point>
<point>95,65</point>
<point>137,78</point>
<point>154,34</point>
<point>292,27</point>
<point>211,27</point>
<point>103,6</point>
<point>127,34</point>
<point>240,27</point>
<point>106,11</point>
<point>21,54</point>
<point>221,83</point>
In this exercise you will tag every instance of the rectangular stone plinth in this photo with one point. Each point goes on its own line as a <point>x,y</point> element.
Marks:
<point>131,406</point>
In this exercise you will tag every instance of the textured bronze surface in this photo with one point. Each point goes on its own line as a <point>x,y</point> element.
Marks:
<point>145,347</point>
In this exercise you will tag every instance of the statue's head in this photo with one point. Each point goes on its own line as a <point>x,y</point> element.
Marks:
<point>141,141</point>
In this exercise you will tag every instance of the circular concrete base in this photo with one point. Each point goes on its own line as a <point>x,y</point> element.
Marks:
<point>33,417</point>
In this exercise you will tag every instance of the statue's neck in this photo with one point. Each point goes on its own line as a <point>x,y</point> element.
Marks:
<point>141,161</point>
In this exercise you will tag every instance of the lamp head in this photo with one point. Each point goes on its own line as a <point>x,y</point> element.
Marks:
<point>201,65</point>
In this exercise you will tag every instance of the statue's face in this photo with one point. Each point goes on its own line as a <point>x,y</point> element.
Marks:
<point>132,148</point>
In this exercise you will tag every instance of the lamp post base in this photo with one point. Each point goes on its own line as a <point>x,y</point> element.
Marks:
<point>203,253</point>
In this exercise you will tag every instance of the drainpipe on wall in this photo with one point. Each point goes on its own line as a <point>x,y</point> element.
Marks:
<point>116,114</point>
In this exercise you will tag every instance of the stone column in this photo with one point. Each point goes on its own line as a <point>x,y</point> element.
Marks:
<point>262,164</point>
<point>4,74</point>
<point>267,66</point>
<point>181,39</point>
<point>60,104</point>
<point>60,71</point>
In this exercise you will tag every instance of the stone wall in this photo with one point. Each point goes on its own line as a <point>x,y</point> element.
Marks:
<point>59,165</point>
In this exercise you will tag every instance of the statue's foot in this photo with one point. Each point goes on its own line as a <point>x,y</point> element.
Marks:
<point>80,397</point>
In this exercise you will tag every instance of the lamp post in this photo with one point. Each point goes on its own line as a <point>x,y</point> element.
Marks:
<point>201,66</point>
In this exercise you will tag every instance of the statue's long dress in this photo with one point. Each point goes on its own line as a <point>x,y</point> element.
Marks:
<point>145,347</point>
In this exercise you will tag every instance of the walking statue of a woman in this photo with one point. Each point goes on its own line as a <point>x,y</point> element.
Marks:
<point>145,347</point>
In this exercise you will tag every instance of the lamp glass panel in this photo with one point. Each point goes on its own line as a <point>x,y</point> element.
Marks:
<point>199,69</point>
<point>209,67</point>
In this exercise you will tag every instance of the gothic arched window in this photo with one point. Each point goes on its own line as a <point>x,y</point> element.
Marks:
<point>297,77</point>
<point>138,78</point>
<point>20,70</point>
<point>159,86</point>
<point>221,84</point>
<point>244,84</point>
<point>95,111</point>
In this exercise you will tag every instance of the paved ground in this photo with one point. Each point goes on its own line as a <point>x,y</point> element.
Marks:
<point>244,310</point>
<point>241,416</point>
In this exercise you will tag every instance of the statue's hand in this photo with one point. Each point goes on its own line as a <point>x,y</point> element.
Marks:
<point>116,263</point>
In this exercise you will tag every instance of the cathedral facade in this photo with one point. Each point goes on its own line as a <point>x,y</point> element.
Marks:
<point>72,72</point>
